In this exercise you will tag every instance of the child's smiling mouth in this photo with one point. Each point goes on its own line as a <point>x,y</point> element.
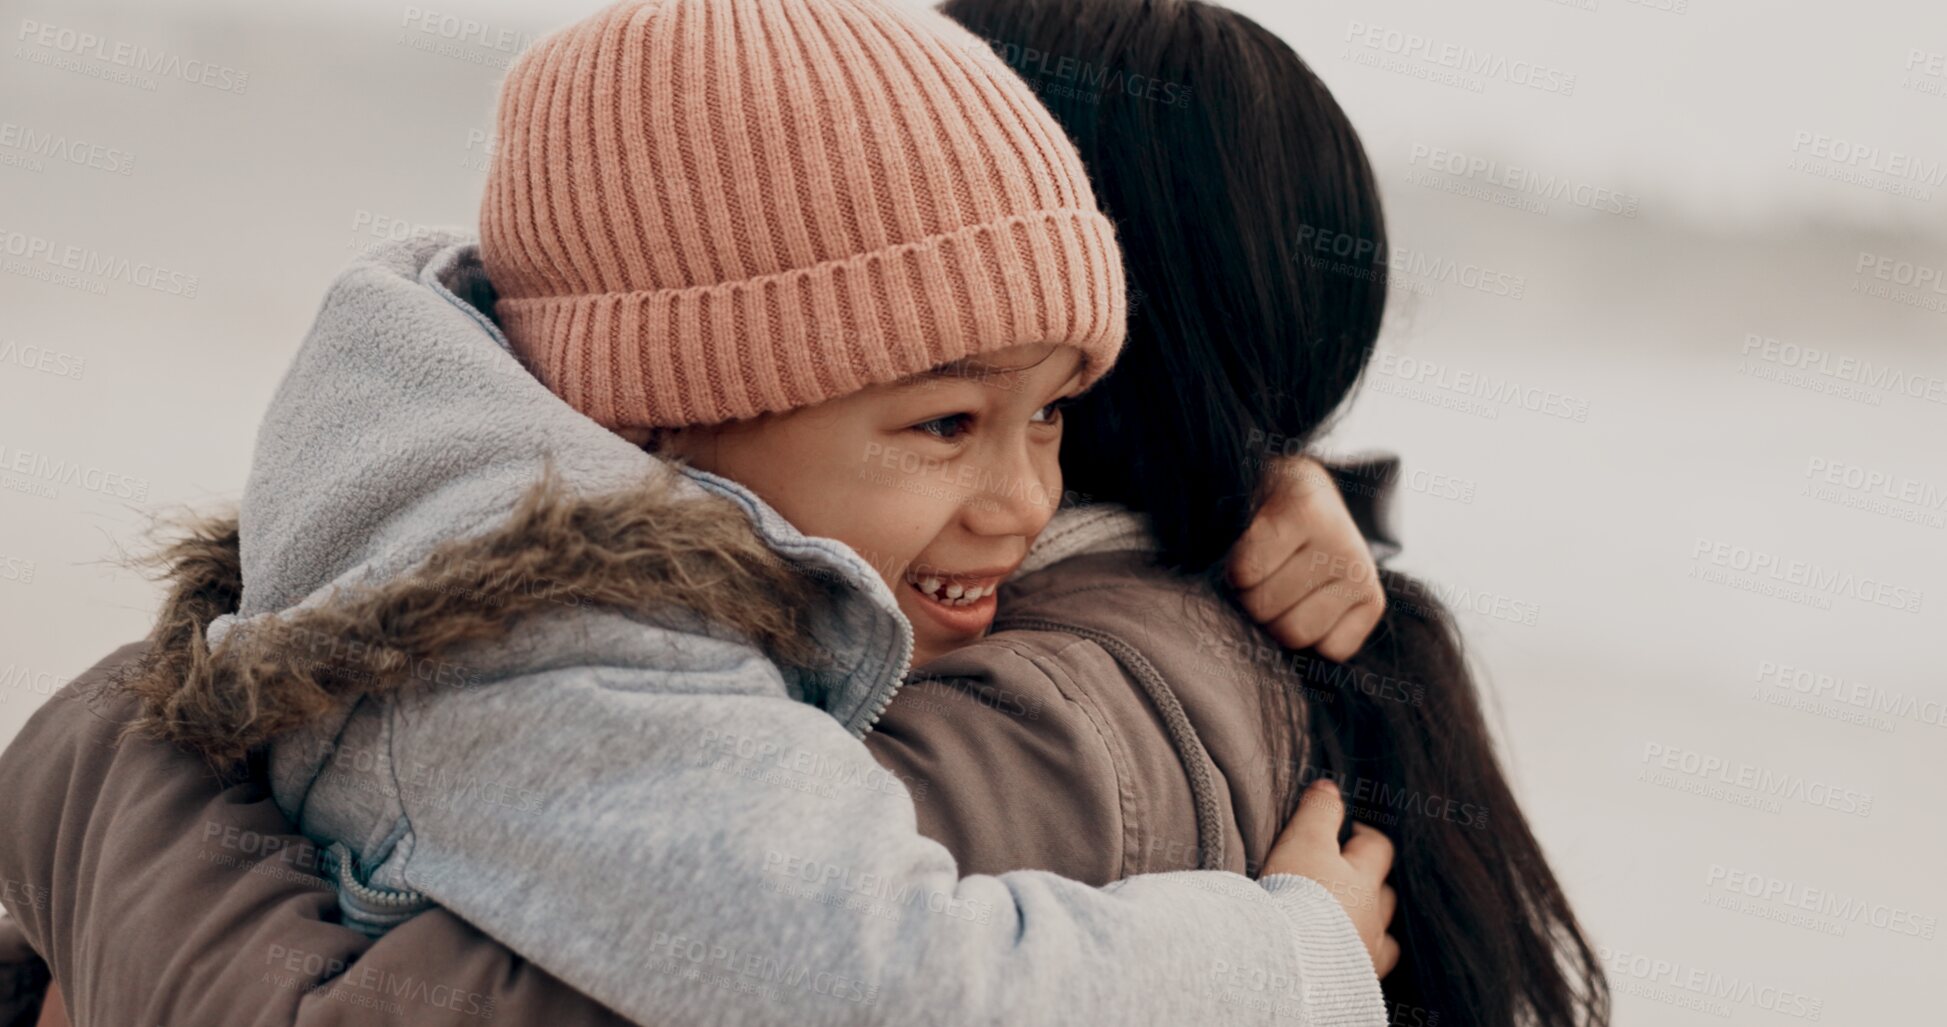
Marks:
<point>961,602</point>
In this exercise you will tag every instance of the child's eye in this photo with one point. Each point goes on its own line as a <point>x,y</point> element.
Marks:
<point>949,427</point>
<point>1050,414</point>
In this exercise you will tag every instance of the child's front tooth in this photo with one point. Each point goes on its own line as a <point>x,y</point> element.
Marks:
<point>930,585</point>
<point>954,591</point>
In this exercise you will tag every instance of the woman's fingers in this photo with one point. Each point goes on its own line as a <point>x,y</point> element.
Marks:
<point>1301,505</point>
<point>1320,812</point>
<point>1310,839</point>
<point>1355,625</point>
<point>1369,851</point>
<point>1316,597</point>
<point>1387,956</point>
<point>1303,570</point>
<point>1278,531</point>
<point>1303,625</point>
<point>1354,875</point>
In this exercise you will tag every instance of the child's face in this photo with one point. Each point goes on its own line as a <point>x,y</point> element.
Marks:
<point>940,481</point>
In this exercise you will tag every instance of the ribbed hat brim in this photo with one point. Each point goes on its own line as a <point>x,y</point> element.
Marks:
<point>704,355</point>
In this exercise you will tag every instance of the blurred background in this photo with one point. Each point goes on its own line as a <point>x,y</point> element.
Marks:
<point>1668,368</point>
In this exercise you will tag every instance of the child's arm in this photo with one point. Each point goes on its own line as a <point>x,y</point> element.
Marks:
<point>1303,569</point>
<point>161,894</point>
<point>168,895</point>
<point>711,851</point>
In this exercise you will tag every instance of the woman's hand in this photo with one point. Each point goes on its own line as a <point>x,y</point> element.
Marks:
<point>54,1012</point>
<point>1355,875</point>
<point>1303,570</point>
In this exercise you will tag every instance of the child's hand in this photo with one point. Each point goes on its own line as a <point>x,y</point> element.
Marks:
<point>1302,569</point>
<point>1356,876</point>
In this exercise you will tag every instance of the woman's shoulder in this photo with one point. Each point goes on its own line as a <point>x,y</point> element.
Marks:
<point>1206,679</point>
<point>1111,688</point>
<point>1123,592</point>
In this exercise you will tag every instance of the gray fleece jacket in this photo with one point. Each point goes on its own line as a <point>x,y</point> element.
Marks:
<point>630,793</point>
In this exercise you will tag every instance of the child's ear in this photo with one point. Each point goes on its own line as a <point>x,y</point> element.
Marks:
<point>668,443</point>
<point>693,445</point>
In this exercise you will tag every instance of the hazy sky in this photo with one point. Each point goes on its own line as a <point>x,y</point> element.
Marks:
<point>1698,110</point>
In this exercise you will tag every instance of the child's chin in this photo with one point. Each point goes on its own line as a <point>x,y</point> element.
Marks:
<point>932,640</point>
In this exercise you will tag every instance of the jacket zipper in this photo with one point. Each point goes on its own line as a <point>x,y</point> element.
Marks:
<point>388,899</point>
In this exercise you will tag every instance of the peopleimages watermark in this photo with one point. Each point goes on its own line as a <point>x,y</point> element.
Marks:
<point>1866,166</point>
<point>16,570</point>
<point>958,694</point>
<point>1427,597</point>
<point>1345,254</point>
<point>749,971</point>
<point>371,230</point>
<point>374,772</point>
<point>1446,63</point>
<point>1271,992</point>
<point>86,268</point>
<point>1676,983</point>
<point>1874,491</point>
<point>1255,650</point>
<point>1925,72</point>
<point>126,63</point>
<point>1687,770</point>
<point>1448,170</point>
<point>1366,477</point>
<point>913,471</point>
<point>870,893</point>
<point>364,985</point>
<point>1820,370</point>
<point>24,147</point>
<point>1486,393</point>
<point>281,857</point>
<point>810,770</point>
<point>1900,281</point>
<point>351,659</point>
<point>1842,698</point>
<point>1080,78</point>
<point>461,38</point>
<point>42,359</point>
<point>23,894</point>
<point>1818,909</point>
<point>1376,479</point>
<point>1755,570</point>
<point>26,471</point>
<point>16,677</point>
<point>1383,802</point>
<point>480,149</point>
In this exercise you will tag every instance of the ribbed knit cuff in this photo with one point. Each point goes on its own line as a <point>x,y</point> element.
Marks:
<point>1341,988</point>
<point>704,355</point>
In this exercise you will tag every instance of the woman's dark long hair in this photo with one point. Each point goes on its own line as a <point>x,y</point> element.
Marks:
<point>1256,250</point>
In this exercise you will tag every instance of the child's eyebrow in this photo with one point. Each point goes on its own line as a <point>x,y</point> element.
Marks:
<point>966,367</point>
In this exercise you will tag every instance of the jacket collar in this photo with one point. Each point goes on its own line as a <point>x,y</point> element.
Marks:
<point>407,427</point>
<point>869,641</point>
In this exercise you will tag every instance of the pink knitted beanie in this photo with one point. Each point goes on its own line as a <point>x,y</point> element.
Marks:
<point>702,210</point>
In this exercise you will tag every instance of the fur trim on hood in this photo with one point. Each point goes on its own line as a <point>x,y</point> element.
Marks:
<point>641,550</point>
<point>414,493</point>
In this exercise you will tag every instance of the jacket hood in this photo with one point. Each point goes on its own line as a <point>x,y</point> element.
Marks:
<point>414,489</point>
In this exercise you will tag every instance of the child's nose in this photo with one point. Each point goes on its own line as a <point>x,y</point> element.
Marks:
<point>1019,499</point>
